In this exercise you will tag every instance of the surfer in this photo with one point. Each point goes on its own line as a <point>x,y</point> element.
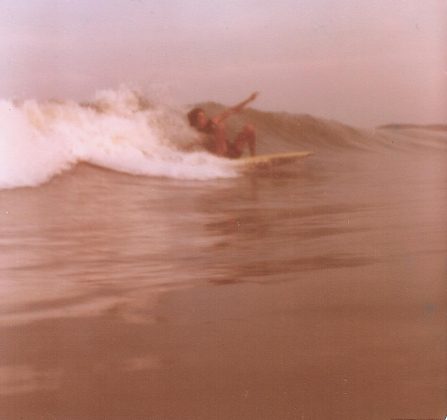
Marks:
<point>216,140</point>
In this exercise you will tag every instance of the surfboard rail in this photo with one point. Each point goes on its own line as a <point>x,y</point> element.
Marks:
<point>269,160</point>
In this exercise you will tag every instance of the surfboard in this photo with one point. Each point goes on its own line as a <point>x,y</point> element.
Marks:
<point>270,160</point>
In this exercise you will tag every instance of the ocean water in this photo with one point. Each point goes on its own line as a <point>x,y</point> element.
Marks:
<point>141,279</point>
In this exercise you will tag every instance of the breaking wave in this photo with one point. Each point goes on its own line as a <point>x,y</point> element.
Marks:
<point>123,131</point>
<point>118,130</point>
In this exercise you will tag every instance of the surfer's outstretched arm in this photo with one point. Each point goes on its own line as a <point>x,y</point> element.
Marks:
<point>234,109</point>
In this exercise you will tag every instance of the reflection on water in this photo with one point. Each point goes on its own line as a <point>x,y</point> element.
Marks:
<point>97,245</point>
<point>315,269</point>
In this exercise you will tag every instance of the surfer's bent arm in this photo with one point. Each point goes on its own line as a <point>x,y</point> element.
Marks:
<point>234,109</point>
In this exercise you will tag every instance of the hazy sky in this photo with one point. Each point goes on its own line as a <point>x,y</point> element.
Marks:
<point>357,61</point>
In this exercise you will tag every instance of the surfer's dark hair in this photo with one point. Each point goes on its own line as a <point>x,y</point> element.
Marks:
<point>192,116</point>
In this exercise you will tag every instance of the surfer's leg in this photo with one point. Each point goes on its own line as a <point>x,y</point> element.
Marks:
<point>246,136</point>
<point>219,141</point>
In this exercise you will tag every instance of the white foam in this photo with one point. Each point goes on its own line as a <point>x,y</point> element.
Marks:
<point>39,140</point>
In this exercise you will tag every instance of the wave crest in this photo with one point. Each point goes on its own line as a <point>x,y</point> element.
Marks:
<point>123,131</point>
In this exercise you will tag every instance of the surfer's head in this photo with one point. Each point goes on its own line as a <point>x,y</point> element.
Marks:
<point>197,118</point>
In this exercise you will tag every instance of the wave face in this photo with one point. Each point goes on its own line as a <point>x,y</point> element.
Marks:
<point>122,131</point>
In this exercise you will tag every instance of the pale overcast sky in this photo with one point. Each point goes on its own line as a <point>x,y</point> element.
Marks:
<point>357,61</point>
